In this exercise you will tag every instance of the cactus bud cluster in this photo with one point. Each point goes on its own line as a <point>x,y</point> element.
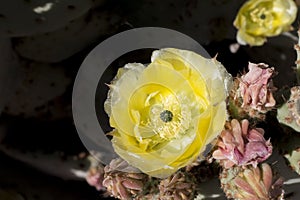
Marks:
<point>251,183</point>
<point>121,184</point>
<point>179,186</point>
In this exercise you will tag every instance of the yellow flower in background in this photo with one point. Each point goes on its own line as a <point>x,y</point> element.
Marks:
<point>259,19</point>
<point>166,113</point>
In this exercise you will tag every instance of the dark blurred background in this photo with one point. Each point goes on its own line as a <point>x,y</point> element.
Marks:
<point>43,44</point>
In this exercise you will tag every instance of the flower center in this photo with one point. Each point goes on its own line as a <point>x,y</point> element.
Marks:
<point>166,116</point>
<point>262,16</point>
<point>259,15</point>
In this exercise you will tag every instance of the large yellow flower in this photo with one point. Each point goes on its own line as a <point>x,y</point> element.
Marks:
<point>166,113</point>
<point>258,19</point>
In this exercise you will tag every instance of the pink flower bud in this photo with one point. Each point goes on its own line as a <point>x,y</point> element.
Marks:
<point>241,146</point>
<point>254,87</point>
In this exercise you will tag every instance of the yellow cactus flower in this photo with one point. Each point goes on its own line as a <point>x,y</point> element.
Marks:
<point>166,113</point>
<point>258,19</point>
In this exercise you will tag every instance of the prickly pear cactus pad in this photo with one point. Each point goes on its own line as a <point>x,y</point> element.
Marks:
<point>294,160</point>
<point>36,16</point>
<point>40,90</point>
<point>10,71</point>
<point>71,37</point>
<point>288,114</point>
